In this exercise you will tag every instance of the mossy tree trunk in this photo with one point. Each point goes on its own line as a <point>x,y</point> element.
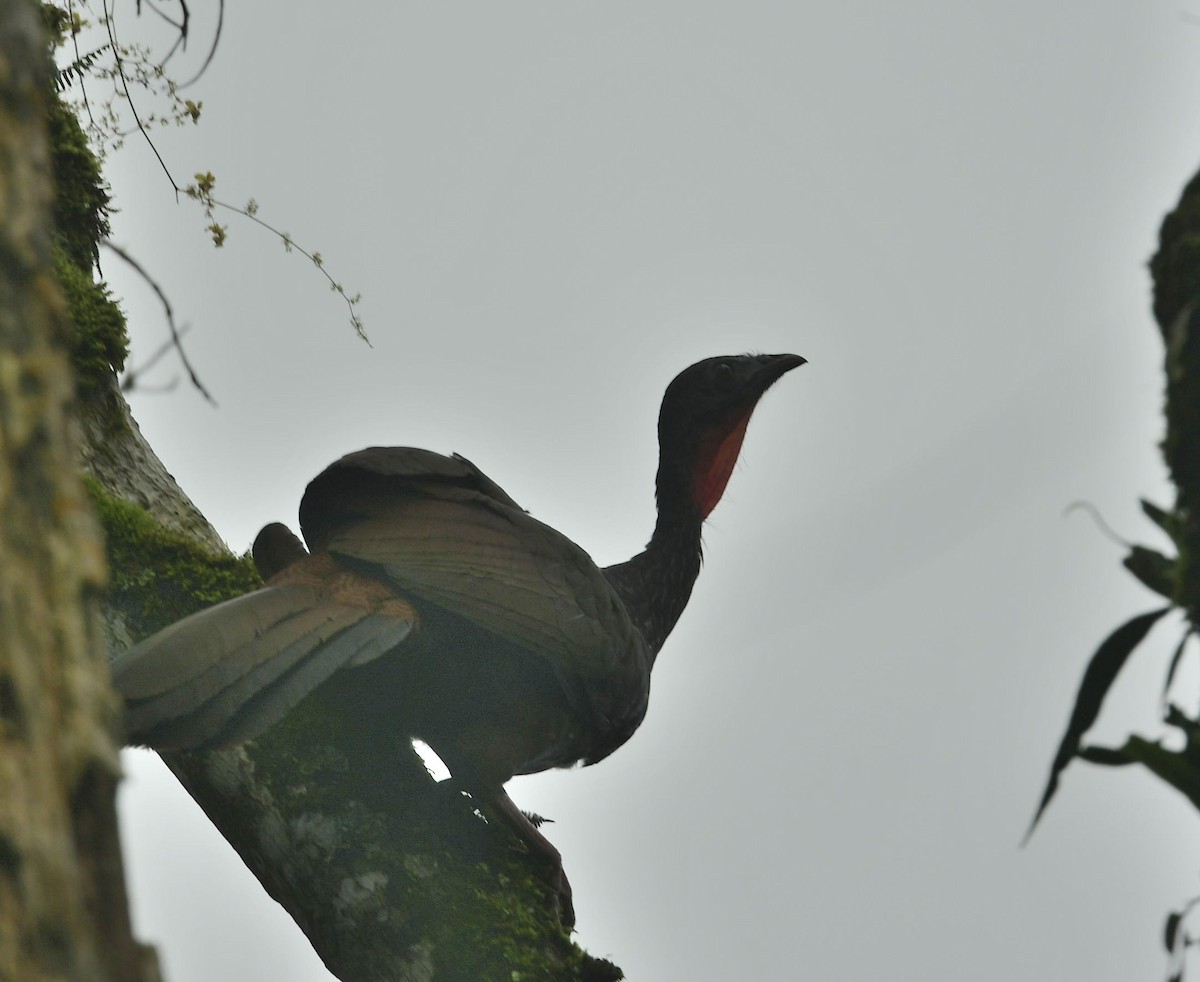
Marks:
<point>63,909</point>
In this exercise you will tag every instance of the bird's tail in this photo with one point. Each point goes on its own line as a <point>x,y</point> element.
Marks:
<point>226,674</point>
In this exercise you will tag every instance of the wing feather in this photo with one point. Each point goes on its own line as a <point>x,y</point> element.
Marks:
<point>227,673</point>
<point>502,570</point>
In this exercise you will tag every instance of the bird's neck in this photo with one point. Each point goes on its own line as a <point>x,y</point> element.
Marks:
<point>655,584</point>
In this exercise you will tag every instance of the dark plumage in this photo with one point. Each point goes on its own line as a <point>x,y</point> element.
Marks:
<point>429,603</point>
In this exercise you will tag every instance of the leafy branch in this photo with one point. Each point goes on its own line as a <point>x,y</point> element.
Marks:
<point>129,67</point>
<point>202,191</point>
<point>1176,271</point>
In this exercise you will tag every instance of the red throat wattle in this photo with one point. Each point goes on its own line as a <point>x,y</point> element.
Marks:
<point>714,463</point>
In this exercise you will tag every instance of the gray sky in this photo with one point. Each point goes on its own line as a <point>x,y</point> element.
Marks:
<point>552,208</point>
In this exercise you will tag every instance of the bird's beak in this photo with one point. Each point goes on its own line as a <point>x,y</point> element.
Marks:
<point>772,368</point>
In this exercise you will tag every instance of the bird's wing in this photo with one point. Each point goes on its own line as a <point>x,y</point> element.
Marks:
<point>384,525</point>
<point>228,673</point>
<point>442,531</point>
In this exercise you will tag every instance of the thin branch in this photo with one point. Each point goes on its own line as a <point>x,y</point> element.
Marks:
<point>202,191</point>
<point>314,257</point>
<point>212,50</point>
<point>75,42</point>
<point>176,335</point>
<point>110,25</point>
<point>180,26</point>
<point>132,375</point>
<point>1101,524</point>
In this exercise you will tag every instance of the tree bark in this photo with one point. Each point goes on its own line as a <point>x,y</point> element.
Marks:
<point>63,909</point>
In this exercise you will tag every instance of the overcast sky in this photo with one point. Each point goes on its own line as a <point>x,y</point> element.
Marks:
<point>551,209</point>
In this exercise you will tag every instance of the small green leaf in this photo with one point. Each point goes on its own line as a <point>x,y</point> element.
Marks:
<point>1105,756</point>
<point>1177,718</point>
<point>1098,677</point>
<point>1174,665</point>
<point>1152,569</point>
<point>1159,516</point>
<point>1176,769</point>
<point>1171,930</point>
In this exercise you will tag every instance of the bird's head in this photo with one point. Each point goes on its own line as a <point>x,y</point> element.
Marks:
<point>703,421</point>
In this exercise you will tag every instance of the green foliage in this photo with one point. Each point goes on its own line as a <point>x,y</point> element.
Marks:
<point>100,344</point>
<point>1098,678</point>
<point>1176,272</point>
<point>81,203</point>
<point>81,209</point>
<point>77,70</point>
<point>124,69</point>
<point>58,23</point>
<point>201,190</point>
<point>1176,269</point>
<point>158,576</point>
<point>1176,266</point>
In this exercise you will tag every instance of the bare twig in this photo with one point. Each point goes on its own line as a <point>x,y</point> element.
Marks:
<point>213,49</point>
<point>1101,524</point>
<point>176,335</point>
<point>110,25</point>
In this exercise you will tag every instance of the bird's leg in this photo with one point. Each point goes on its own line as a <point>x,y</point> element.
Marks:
<point>539,847</point>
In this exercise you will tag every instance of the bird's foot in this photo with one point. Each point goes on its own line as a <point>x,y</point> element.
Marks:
<point>536,820</point>
<point>563,900</point>
<point>541,850</point>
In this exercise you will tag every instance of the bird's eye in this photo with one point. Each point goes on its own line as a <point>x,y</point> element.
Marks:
<point>724,372</point>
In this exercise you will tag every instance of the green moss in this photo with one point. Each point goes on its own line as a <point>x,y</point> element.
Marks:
<point>100,345</point>
<point>81,204</point>
<point>57,21</point>
<point>81,208</point>
<point>158,576</point>
<point>465,890</point>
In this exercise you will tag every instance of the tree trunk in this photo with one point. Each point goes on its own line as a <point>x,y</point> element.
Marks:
<point>63,909</point>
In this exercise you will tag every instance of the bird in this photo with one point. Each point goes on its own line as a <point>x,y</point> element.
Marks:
<point>429,604</point>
